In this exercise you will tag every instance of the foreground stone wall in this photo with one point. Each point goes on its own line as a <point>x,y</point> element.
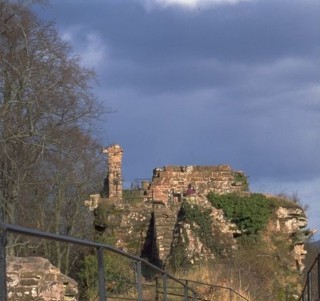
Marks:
<point>35,278</point>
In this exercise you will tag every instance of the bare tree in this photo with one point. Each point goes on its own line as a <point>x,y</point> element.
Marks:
<point>62,181</point>
<point>46,110</point>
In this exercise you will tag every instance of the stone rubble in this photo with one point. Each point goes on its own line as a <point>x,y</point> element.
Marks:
<point>35,278</point>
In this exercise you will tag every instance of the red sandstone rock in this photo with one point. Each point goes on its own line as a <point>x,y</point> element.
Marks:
<point>35,278</point>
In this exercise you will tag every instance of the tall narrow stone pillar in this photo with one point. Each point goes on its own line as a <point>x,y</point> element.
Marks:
<point>114,177</point>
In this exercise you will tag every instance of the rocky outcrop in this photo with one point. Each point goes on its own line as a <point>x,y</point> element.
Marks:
<point>35,278</point>
<point>221,230</point>
<point>290,220</point>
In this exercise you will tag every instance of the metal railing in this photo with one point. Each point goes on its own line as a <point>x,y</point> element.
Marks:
<point>188,292</point>
<point>311,290</point>
<point>166,287</point>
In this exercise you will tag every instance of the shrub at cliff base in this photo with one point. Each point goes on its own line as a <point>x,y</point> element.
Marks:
<point>119,276</point>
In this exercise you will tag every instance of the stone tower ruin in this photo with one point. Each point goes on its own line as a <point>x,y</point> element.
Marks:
<point>114,176</point>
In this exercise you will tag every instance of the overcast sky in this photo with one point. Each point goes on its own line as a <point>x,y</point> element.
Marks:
<point>207,82</point>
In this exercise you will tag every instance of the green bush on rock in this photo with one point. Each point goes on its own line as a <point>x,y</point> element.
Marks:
<point>249,212</point>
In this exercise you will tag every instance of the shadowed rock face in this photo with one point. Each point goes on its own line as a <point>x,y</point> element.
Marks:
<point>35,278</point>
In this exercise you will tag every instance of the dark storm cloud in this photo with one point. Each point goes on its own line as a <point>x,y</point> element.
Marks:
<point>172,50</point>
<point>183,76</point>
<point>247,32</point>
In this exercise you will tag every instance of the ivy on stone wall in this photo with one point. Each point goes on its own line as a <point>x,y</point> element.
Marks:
<point>201,224</point>
<point>107,215</point>
<point>179,258</point>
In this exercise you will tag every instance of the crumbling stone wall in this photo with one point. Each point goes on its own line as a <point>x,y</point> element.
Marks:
<point>35,278</point>
<point>170,181</point>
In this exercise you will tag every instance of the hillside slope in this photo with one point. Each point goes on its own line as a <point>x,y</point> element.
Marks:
<point>251,242</point>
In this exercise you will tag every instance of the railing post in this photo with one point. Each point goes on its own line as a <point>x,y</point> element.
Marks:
<point>186,291</point>
<point>318,276</point>
<point>165,287</point>
<point>101,273</point>
<point>139,280</point>
<point>194,296</point>
<point>309,286</point>
<point>3,273</point>
<point>157,289</point>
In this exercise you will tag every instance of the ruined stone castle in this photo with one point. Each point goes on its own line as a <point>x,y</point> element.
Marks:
<point>146,221</point>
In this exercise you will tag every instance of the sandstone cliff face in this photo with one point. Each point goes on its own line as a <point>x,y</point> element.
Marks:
<point>285,224</point>
<point>292,221</point>
<point>205,234</point>
<point>35,278</point>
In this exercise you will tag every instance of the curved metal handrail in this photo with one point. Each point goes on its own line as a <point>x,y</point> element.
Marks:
<point>100,247</point>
